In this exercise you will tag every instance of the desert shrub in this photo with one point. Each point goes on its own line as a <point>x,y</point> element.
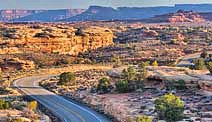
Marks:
<point>44,35</point>
<point>209,67</point>
<point>181,85</point>
<point>170,85</point>
<point>169,107</point>
<point>4,104</point>
<point>173,41</point>
<point>129,73</point>
<point>204,54</point>
<point>122,86</point>
<point>61,61</point>
<point>32,105</point>
<point>199,64</point>
<point>79,32</point>
<point>116,60</point>
<point>66,78</point>
<point>143,119</point>
<point>141,74</point>
<point>155,63</point>
<point>104,85</point>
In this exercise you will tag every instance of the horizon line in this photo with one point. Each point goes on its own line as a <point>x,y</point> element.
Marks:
<point>174,5</point>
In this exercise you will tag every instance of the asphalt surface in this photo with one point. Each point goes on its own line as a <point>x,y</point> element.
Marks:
<point>66,110</point>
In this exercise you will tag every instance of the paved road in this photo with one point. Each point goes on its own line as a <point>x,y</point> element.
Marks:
<point>64,109</point>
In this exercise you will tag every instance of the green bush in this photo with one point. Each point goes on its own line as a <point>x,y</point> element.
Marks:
<point>170,85</point>
<point>32,105</point>
<point>181,85</point>
<point>199,64</point>
<point>141,74</point>
<point>104,85</point>
<point>129,73</point>
<point>170,107</point>
<point>204,54</point>
<point>155,63</point>
<point>66,78</point>
<point>209,67</point>
<point>143,119</point>
<point>4,104</point>
<point>173,41</point>
<point>122,86</point>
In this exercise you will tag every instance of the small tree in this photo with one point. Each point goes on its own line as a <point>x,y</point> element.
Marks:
<point>129,74</point>
<point>169,85</point>
<point>4,104</point>
<point>155,63</point>
<point>142,73</point>
<point>32,105</point>
<point>143,119</point>
<point>116,60</point>
<point>209,67</point>
<point>122,86</point>
<point>170,107</point>
<point>66,78</point>
<point>173,41</point>
<point>104,85</point>
<point>204,54</point>
<point>181,85</point>
<point>199,64</point>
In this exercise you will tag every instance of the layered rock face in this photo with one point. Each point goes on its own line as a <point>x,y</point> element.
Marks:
<point>185,16</point>
<point>53,39</point>
<point>192,78</point>
<point>16,63</point>
<point>179,16</point>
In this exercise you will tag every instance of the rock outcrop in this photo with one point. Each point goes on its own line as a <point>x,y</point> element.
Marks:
<point>15,63</point>
<point>179,16</point>
<point>53,39</point>
<point>192,78</point>
<point>185,16</point>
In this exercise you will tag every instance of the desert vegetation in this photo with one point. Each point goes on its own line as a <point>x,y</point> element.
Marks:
<point>145,73</point>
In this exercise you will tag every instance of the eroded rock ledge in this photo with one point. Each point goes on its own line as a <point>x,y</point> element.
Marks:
<point>192,78</point>
<point>52,39</point>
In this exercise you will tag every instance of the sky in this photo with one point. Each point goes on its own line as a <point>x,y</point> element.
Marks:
<point>58,4</point>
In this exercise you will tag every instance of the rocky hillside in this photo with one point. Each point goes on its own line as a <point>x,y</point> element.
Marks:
<point>179,16</point>
<point>52,39</point>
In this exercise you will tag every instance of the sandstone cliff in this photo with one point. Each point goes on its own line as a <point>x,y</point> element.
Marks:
<point>52,39</point>
<point>185,16</point>
<point>179,16</point>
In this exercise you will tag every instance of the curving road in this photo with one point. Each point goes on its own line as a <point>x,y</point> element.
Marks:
<point>64,109</point>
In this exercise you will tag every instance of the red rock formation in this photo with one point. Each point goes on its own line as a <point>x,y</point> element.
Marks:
<point>185,16</point>
<point>54,40</point>
<point>179,16</point>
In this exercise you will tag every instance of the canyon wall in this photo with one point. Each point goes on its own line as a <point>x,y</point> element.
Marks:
<point>52,39</point>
